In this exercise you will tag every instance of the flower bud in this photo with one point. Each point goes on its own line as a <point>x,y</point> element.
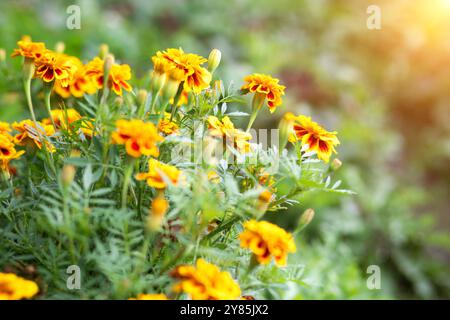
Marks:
<point>104,50</point>
<point>158,210</point>
<point>109,62</point>
<point>336,164</point>
<point>68,174</point>
<point>28,69</point>
<point>60,47</point>
<point>264,200</point>
<point>305,219</point>
<point>285,128</point>
<point>142,96</point>
<point>214,60</point>
<point>157,81</point>
<point>2,55</point>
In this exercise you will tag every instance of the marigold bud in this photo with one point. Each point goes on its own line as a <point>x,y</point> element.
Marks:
<point>109,62</point>
<point>60,47</point>
<point>28,69</point>
<point>142,96</point>
<point>305,219</point>
<point>214,60</point>
<point>118,101</point>
<point>104,50</point>
<point>158,209</point>
<point>68,174</point>
<point>157,81</point>
<point>285,128</point>
<point>336,164</point>
<point>264,199</point>
<point>2,55</point>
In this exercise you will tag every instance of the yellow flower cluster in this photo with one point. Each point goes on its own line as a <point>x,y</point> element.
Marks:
<point>313,135</point>
<point>267,240</point>
<point>183,67</point>
<point>8,151</point>
<point>225,130</point>
<point>265,86</point>
<point>31,135</point>
<point>139,137</point>
<point>80,83</point>
<point>117,79</point>
<point>13,287</point>
<point>68,74</point>
<point>160,174</point>
<point>166,126</point>
<point>205,281</point>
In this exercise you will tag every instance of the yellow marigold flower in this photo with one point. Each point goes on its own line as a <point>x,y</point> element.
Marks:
<point>79,85</point>
<point>13,287</point>
<point>29,134</point>
<point>266,86</point>
<point>317,138</point>
<point>139,137</point>
<point>205,281</point>
<point>195,76</point>
<point>29,50</point>
<point>7,152</point>
<point>150,296</point>
<point>267,240</point>
<point>117,79</point>
<point>65,118</point>
<point>166,126</point>
<point>59,66</point>
<point>4,127</point>
<point>159,174</point>
<point>225,129</point>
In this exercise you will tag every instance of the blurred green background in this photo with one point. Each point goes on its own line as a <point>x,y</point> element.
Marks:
<point>385,91</point>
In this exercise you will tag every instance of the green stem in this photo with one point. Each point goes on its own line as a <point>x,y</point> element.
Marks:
<point>27,89</point>
<point>176,99</point>
<point>47,93</point>
<point>126,183</point>
<point>252,119</point>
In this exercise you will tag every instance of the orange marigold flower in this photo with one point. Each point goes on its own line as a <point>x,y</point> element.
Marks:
<point>56,66</point>
<point>266,86</point>
<point>150,296</point>
<point>317,138</point>
<point>29,134</point>
<point>225,129</point>
<point>79,85</point>
<point>205,281</point>
<point>160,174</point>
<point>195,77</point>
<point>139,137</point>
<point>29,50</point>
<point>118,75</point>
<point>166,126</point>
<point>13,287</point>
<point>267,240</point>
<point>7,152</point>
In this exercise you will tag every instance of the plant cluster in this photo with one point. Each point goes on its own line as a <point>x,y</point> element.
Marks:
<point>147,184</point>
